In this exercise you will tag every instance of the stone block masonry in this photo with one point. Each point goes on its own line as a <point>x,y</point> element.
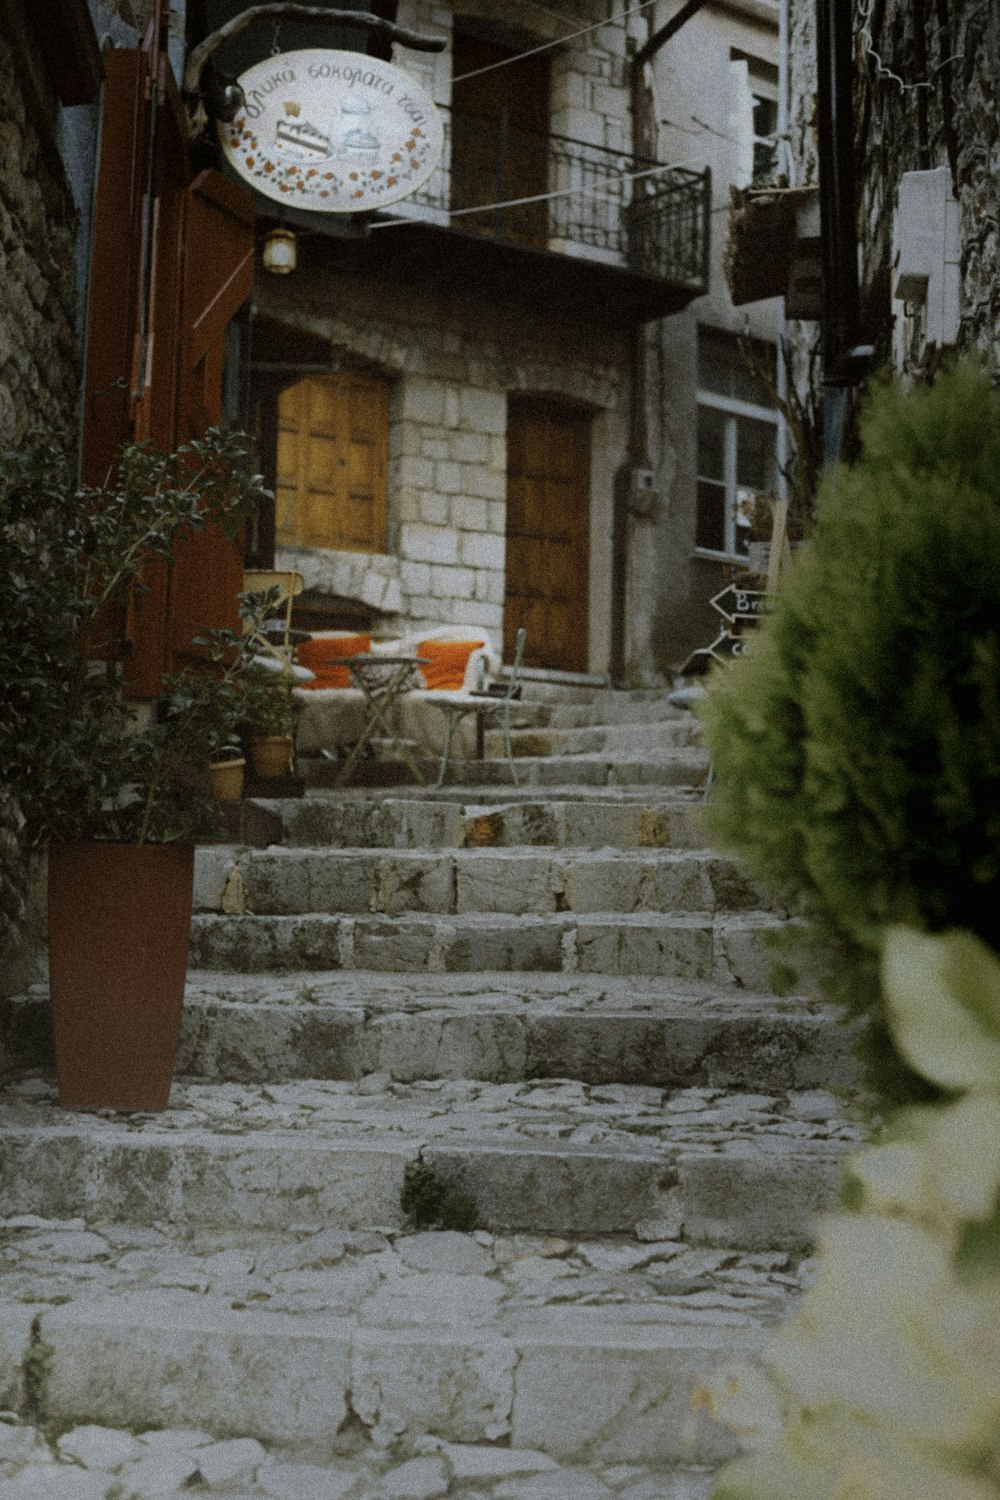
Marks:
<point>452,367</point>
<point>38,352</point>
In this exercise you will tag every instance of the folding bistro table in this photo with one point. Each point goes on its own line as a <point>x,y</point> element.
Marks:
<point>383,679</point>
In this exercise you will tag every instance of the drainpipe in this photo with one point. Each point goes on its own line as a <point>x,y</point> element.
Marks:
<point>785,166</point>
<point>643,134</point>
<point>844,357</point>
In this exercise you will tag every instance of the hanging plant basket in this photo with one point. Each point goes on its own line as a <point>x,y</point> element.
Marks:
<point>119,925</point>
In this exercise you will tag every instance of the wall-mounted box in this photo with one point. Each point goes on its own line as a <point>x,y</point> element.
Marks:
<point>926,251</point>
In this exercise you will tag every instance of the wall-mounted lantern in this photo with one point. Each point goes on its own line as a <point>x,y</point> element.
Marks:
<point>280,251</point>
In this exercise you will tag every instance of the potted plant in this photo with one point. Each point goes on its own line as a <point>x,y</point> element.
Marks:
<point>226,773</point>
<point>267,703</point>
<point>117,800</point>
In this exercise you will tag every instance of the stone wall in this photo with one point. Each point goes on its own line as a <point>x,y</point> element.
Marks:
<point>929,96</point>
<point>38,349</point>
<point>452,364</point>
<point>38,383</point>
<point>590,88</point>
<point>590,98</point>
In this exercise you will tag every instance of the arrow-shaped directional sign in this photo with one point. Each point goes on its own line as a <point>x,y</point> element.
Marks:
<point>740,609</point>
<point>727,646</point>
<point>741,604</point>
<point>724,648</point>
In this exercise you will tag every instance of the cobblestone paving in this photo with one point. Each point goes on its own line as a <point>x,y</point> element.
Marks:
<point>102,1463</point>
<point>390,1279</point>
<point>633,1118</point>
<point>241,1269</point>
<point>381,1278</point>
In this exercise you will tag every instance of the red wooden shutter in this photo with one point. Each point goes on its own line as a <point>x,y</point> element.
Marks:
<point>114,263</point>
<point>218,278</point>
<point>169,270</point>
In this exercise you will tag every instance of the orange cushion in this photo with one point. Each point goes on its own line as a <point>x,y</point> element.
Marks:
<point>447,664</point>
<point>315,655</point>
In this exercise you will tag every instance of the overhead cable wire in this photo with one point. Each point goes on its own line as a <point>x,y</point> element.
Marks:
<point>582,192</point>
<point>558,41</point>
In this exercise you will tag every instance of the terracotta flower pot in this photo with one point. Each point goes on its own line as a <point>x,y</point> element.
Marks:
<point>271,754</point>
<point>119,924</point>
<point>225,778</point>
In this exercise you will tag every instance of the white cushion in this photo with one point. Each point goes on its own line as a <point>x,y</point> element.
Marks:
<point>290,670</point>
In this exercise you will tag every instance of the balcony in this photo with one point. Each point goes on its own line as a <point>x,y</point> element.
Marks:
<point>535,220</point>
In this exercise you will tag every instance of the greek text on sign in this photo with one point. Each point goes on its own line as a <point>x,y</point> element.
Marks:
<point>334,132</point>
<point>741,604</point>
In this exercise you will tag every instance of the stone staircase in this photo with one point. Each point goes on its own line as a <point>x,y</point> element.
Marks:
<point>488,1140</point>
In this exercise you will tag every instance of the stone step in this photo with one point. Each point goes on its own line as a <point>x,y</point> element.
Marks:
<point>502,1358</point>
<point>453,820</point>
<point>676,767</point>
<point>539,685</point>
<point>691,946</point>
<point>681,767</point>
<point>518,881</point>
<point>625,709</point>
<point>498,1028</point>
<point>561,1157</point>
<point>629,740</point>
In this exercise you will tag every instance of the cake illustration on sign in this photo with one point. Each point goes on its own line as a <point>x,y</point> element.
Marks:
<point>332,131</point>
<point>299,139</point>
<point>357,142</point>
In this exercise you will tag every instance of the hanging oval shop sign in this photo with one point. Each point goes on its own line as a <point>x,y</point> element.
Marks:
<point>334,132</point>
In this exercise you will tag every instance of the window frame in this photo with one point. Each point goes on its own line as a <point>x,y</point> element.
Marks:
<point>732,408</point>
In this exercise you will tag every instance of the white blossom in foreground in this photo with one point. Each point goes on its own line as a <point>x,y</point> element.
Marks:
<point>885,1385</point>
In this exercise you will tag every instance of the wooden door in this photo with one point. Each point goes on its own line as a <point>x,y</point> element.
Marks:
<point>548,524</point>
<point>500,140</point>
<point>332,454</point>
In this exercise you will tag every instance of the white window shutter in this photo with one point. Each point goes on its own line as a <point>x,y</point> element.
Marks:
<point>741,122</point>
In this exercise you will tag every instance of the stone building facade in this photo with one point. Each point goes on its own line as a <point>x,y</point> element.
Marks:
<point>39,329</point>
<point>451,370</point>
<point>486,335</point>
<point>927,97</point>
<point>927,82</point>
<point>716,87</point>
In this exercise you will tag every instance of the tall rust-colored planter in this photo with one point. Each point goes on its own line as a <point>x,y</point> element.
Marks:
<point>119,925</point>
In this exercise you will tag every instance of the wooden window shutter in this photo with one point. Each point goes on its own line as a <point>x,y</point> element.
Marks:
<point>166,277</point>
<point>207,571</point>
<point>332,462</point>
<point>114,265</point>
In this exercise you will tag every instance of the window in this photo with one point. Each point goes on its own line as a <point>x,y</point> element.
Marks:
<point>737,429</point>
<point>765,142</point>
<point>754,120</point>
<point>332,447</point>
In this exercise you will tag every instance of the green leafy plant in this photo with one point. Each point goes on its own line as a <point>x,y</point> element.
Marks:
<point>36,1370</point>
<point>857,747</point>
<point>77,763</point>
<point>266,701</point>
<point>885,1385</point>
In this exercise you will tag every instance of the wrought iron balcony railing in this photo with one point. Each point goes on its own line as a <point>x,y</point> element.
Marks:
<point>525,187</point>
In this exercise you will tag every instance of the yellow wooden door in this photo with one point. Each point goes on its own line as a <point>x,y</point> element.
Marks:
<point>548,527</point>
<point>333,439</point>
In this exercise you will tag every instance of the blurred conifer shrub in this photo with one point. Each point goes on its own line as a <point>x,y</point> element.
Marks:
<point>857,747</point>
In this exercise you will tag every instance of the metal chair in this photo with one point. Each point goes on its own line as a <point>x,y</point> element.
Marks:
<point>288,584</point>
<point>456,705</point>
